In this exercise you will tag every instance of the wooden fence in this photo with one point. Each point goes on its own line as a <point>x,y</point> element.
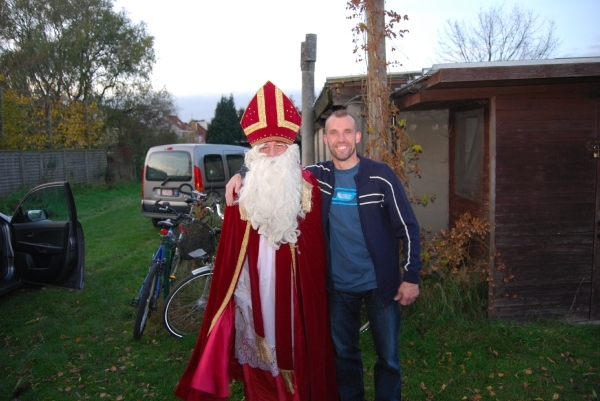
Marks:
<point>26,169</point>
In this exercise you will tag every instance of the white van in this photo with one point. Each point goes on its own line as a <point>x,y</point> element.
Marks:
<point>204,167</point>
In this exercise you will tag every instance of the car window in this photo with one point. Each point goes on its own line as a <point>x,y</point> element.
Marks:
<point>171,165</point>
<point>48,203</point>
<point>213,168</point>
<point>235,163</point>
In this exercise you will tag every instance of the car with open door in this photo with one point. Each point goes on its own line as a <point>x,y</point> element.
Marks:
<point>42,242</point>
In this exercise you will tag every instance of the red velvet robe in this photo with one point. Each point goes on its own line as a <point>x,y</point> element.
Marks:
<point>213,361</point>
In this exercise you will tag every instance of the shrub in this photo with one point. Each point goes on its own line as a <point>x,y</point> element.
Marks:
<point>463,249</point>
<point>455,269</point>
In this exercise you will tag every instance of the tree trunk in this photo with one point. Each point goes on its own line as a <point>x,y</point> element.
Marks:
<point>377,89</point>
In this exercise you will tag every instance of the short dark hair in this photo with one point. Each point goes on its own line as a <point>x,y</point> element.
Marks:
<point>340,113</point>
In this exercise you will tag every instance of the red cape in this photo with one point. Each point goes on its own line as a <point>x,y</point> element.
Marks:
<point>213,361</point>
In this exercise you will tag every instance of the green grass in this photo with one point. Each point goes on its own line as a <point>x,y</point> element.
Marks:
<point>76,345</point>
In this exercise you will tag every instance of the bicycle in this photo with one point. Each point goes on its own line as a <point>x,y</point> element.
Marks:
<point>183,312</point>
<point>163,269</point>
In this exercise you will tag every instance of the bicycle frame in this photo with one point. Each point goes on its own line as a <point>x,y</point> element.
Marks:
<point>163,258</point>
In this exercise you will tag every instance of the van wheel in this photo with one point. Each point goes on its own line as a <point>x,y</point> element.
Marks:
<point>155,222</point>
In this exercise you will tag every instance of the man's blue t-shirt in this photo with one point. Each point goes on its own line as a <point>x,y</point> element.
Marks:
<point>352,267</point>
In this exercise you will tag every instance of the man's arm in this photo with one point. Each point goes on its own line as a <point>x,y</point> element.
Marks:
<point>409,288</point>
<point>233,188</point>
<point>406,228</point>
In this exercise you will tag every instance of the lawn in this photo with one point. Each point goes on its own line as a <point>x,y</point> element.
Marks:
<point>76,345</point>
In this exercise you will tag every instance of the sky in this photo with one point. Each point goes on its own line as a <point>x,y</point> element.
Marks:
<point>206,49</point>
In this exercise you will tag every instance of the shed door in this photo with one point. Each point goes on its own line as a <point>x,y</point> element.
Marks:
<point>547,205</point>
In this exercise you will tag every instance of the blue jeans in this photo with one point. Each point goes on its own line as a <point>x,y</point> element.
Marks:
<point>344,312</point>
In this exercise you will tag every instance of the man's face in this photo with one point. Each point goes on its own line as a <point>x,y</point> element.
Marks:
<point>273,148</point>
<point>341,137</point>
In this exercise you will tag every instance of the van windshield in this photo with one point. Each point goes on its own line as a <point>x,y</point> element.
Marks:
<point>171,165</point>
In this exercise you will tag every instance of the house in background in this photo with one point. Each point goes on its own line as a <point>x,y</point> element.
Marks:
<point>184,132</point>
<point>200,126</point>
<point>516,143</point>
<point>192,132</point>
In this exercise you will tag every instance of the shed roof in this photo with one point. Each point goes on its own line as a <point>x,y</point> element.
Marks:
<point>427,91</point>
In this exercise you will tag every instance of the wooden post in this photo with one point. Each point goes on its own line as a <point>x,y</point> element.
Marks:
<point>307,130</point>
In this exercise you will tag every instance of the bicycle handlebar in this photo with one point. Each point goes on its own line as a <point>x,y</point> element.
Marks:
<point>194,194</point>
<point>166,207</point>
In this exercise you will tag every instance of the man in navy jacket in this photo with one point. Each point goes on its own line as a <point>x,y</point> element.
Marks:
<point>366,214</point>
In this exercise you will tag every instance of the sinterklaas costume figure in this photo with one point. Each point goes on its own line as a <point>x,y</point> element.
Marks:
<point>266,322</point>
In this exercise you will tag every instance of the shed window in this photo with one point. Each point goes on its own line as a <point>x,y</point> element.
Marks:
<point>468,161</point>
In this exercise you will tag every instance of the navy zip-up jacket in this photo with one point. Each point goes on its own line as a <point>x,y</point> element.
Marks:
<point>386,217</point>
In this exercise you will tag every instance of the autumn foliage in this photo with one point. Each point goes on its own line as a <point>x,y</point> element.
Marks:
<point>34,123</point>
<point>462,249</point>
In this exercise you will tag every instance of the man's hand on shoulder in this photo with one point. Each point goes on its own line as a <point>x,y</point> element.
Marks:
<point>233,188</point>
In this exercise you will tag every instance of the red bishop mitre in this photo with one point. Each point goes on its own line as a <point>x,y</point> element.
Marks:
<point>270,116</point>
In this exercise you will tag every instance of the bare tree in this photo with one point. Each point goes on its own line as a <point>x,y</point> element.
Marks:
<point>498,35</point>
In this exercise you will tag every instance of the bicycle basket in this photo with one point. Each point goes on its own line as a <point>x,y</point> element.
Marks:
<point>193,236</point>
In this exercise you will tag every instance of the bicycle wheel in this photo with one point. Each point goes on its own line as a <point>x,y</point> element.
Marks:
<point>184,307</point>
<point>145,303</point>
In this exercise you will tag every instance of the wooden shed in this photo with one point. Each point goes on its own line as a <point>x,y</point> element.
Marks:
<point>522,151</point>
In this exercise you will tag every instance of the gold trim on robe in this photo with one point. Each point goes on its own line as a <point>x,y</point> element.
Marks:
<point>306,196</point>
<point>236,275</point>
<point>263,350</point>
<point>288,379</point>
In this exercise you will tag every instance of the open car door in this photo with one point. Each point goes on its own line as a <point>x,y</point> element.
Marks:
<point>47,238</point>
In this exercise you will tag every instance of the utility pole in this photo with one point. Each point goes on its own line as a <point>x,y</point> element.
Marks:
<point>377,89</point>
<point>308,53</point>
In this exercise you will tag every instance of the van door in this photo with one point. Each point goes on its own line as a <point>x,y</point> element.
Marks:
<point>218,168</point>
<point>165,171</point>
<point>234,162</point>
<point>214,172</point>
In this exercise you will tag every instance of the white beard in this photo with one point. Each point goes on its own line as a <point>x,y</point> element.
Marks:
<point>272,195</point>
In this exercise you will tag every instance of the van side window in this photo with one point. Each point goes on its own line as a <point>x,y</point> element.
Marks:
<point>213,168</point>
<point>235,163</point>
<point>172,165</point>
